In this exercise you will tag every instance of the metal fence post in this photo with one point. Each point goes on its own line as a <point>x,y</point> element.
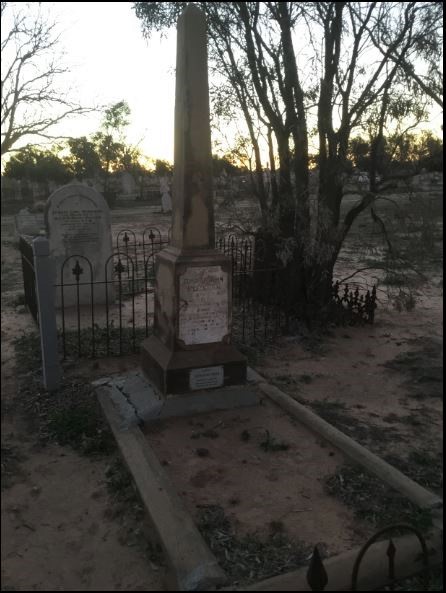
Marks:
<point>43,266</point>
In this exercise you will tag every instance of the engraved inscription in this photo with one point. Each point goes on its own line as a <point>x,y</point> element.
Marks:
<point>206,378</point>
<point>79,226</point>
<point>204,305</point>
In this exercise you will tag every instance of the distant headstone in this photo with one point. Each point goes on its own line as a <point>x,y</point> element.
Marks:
<point>29,223</point>
<point>128,184</point>
<point>78,224</point>
<point>166,200</point>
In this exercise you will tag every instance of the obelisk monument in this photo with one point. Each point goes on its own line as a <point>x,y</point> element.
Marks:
<point>190,348</point>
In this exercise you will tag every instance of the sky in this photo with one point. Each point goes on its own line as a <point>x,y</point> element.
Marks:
<point>109,60</point>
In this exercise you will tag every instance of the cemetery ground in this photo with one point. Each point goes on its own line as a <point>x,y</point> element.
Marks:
<point>71,519</point>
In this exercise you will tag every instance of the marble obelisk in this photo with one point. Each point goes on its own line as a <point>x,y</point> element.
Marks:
<point>190,348</point>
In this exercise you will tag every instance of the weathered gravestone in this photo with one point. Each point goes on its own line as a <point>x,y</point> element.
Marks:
<point>128,184</point>
<point>29,223</point>
<point>78,224</point>
<point>166,200</point>
<point>191,344</point>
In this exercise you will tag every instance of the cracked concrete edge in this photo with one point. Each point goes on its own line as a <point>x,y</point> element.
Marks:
<point>386,472</point>
<point>192,566</point>
<point>127,414</point>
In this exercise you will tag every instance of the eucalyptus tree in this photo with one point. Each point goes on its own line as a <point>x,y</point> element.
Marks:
<point>110,139</point>
<point>314,74</point>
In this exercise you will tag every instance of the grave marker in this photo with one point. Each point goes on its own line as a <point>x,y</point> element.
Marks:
<point>191,344</point>
<point>78,224</point>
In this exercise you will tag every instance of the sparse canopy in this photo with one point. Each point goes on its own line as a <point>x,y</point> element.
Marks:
<point>314,74</point>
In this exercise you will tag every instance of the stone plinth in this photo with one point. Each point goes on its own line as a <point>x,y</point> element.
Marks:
<point>190,348</point>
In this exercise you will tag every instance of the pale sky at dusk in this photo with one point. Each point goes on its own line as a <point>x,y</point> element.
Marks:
<point>110,61</point>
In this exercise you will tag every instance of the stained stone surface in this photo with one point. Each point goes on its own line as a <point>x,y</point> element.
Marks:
<point>193,212</point>
<point>78,226</point>
<point>191,348</point>
<point>204,303</point>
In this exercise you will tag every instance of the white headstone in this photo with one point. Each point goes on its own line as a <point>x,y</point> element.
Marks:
<point>78,224</point>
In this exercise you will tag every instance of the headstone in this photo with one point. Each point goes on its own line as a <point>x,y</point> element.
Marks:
<point>29,223</point>
<point>78,224</point>
<point>166,201</point>
<point>128,184</point>
<point>190,348</point>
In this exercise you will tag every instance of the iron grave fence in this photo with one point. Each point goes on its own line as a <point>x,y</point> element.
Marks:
<point>111,316</point>
<point>388,575</point>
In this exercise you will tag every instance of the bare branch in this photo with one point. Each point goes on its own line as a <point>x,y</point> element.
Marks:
<point>31,98</point>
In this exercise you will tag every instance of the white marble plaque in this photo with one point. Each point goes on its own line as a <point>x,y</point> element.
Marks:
<point>204,305</point>
<point>206,378</point>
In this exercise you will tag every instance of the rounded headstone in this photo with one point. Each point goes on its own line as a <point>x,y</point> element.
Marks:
<point>78,225</point>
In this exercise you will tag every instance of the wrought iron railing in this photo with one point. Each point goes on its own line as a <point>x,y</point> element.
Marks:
<point>115,326</point>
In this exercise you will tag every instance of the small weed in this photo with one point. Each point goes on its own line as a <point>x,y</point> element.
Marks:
<point>423,466</point>
<point>276,527</point>
<point>423,365</point>
<point>69,415</point>
<point>81,427</point>
<point>404,301</point>
<point>120,482</point>
<point>11,459</point>
<point>305,378</point>
<point>271,444</point>
<point>373,500</point>
<point>249,558</point>
<point>370,435</point>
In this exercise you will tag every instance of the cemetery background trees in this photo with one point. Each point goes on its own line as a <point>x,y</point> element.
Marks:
<point>109,141</point>
<point>35,164</point>
<point>316,74</point>
<point>32,99</point>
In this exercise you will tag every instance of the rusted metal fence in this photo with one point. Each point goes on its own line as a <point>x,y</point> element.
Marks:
<point>318,579</point>
<point>117,324</point>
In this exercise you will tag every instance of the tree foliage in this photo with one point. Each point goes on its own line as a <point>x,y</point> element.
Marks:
<point>409,152</point>
<point>104,153</point>
<point>109,140</point>
<point>163,167</point>
<point>36,164</point>
<point>32,73</point>
<point>303,73</point>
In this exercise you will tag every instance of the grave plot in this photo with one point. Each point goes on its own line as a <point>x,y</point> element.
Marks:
<point>266,473</point>
<point>230,469</point>
<point>237,496</point>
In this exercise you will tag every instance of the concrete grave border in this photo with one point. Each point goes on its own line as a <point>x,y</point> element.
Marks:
<point>191,564</point>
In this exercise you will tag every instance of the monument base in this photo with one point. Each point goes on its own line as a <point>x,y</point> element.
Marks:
<point>181,371</point>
